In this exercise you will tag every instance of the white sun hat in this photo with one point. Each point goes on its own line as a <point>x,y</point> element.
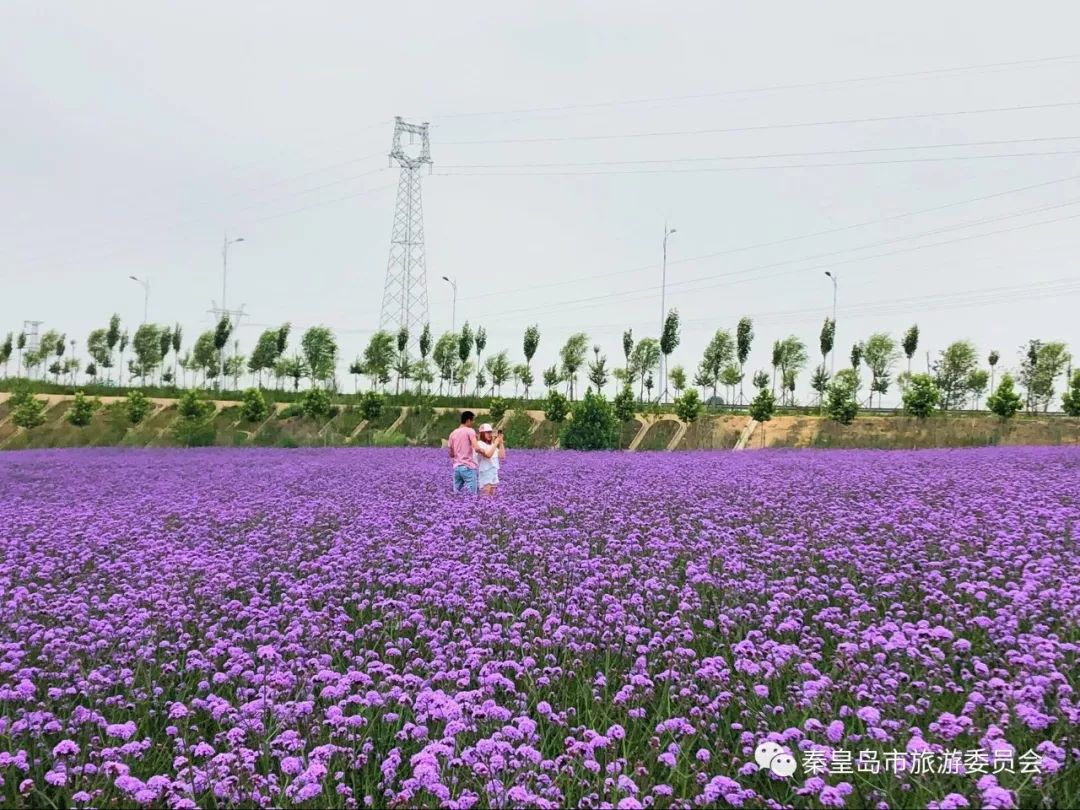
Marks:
<point>485,428</point>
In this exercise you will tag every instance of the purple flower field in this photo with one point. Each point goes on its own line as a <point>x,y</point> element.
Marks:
<point>334,628</point>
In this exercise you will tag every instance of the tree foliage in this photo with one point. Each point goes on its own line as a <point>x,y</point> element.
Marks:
<point>1005,402</point>
<point>763,405</point>
<point>27,411</point>
<point>572,357</point>
<point>556,407</point>
<point>879,354</point>
<point>1071,400</point>
<point>921,395</point>
<point>82,409</point>
<point>841,405</point>
<point>1043,363</point>
<point>623,404</point>
<point>253,407</point>
<point>321,353</point>
<point>910,343</point>
<point>136,406</point>
<point>371,405</point>
<point>952,371</point>
<point>593,425</point>
<point>688,406</point>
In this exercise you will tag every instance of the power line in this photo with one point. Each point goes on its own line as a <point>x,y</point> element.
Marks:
<point>760,156</point>
<point>651,267</point>
<point>759,127</point>
<point>637,294</point>
<point>322,203</point>
<point>712,169</point>
<point>755,90</point>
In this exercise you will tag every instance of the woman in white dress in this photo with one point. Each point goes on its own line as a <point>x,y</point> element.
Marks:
<point>490,450</point>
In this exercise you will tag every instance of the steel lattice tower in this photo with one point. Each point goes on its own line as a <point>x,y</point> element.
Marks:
<point>405,296</point>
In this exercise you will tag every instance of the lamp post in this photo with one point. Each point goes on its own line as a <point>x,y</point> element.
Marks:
<point>453,312</point>
<point>663,313</point>
<point>224,310</point>
<point>833,359</point>
<point>146,295</point>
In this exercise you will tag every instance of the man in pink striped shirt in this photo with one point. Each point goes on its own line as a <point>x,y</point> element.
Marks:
<point>462,446</point>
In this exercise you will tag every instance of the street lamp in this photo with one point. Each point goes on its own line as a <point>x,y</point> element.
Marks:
<point>146,295</point>
<point>663,314</point>
<point>224,310</point>
<point>453,315</point>
<point>833,360</point>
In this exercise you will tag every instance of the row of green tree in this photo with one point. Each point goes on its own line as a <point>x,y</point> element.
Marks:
<point>459,362</point>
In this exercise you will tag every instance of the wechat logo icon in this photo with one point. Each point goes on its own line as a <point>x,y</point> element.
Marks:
<point>776,759</point>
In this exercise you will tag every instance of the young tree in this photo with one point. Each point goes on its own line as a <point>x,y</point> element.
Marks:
<point>500,369</point>
<point>164,344</point>
<point>1004,402</point>
<point>688,406</point>
<point>177,342</point>
<point>792,359</point>
<point>1043,364</point>
<point>293,368</point>
<point>921,395</point>
<point>356,369</point>
<point>551,378</point>
<point>993,361</point>
<point>112,338</point>
<point>529,346</point>
<point>265,354</point>
<point>445,357</point>
<point>557,407</point>
<point>744,337</point>
<point>205,356</point>
<point>952,371</point>
<point>627,345</point>
<point>777,358</point>
<point>976,384</point>
<point>880,353</point>
<point>763,405</point>
<point>820,381</point>
<point>20,345</point>
<point>465,346</point>
<point>480,341</point>
<point>221,339</point>
<point>320,353</point>
<point>592,427</point>
<point>425,342</point>
<point>910,343</point>
<point>378,357</point>
<point>401,368</point>
<point>147,345</point>
<point>826,339</point>
<point>644,359</point>
<point>761,379</point>
<point>1070,402</point>
<point>572,357</point>
<point>719,353</point>
<point>5,353</point>
<point>598,375</point>
<point>678,381</point>
<point>842,405</point>
<point>730,377</point>
<point>669,341</point>
<point>624,404</point>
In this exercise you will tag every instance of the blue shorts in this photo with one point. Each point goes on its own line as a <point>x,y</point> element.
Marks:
<point>465,479</point>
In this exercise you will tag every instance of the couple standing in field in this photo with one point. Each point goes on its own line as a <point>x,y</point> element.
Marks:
<point>476,456</point>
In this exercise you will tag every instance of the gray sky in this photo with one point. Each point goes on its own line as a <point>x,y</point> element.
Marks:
<point>135,134</point>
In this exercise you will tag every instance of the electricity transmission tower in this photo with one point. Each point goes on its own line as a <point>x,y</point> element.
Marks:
<point>405,296</point>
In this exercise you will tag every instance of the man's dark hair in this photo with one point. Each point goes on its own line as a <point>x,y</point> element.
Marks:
<point>467,416</point>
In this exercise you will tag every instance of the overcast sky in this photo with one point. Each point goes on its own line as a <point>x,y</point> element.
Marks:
<point>135,135</point>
